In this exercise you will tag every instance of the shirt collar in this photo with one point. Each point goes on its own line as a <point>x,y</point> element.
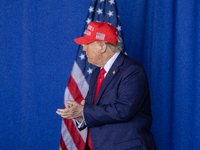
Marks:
<point>110,62</point>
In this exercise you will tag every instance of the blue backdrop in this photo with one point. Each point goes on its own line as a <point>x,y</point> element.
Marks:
<point>37,52</point>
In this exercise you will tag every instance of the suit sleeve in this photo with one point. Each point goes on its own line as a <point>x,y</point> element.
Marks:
<point>122,102</point>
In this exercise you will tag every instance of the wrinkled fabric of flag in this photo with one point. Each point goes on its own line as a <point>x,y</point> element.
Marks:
<point>78,84</point>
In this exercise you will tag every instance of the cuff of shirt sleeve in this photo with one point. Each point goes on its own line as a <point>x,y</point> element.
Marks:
<point>80,124</point>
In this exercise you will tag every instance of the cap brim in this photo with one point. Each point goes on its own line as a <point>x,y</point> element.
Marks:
<point>83,40</point>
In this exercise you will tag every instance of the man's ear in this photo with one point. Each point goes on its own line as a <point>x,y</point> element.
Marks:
<point>103,48</point>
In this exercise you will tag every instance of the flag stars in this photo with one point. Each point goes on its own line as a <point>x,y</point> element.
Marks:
<point>111,2</point>
<point>91,9</point>
<point>84,32</point>
<point>110,13</point>
<point>88,20</point>
<point>119,28</point>
<point>100,11</point>
<point>89,70</point>
<point>82,56</point>
<point>102,1</point>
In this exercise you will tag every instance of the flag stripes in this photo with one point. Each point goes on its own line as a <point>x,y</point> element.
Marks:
<point>74,133</point>
<point>62,144</point>
<point>74,90</point>
<point>79,78</point>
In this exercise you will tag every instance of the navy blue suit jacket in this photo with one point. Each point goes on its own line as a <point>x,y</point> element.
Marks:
<point>121,117</point>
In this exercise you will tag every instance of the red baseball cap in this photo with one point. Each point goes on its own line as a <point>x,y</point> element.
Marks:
<point>98,31</point>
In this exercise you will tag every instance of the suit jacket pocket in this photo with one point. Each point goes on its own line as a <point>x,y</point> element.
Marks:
<point>130,144</point>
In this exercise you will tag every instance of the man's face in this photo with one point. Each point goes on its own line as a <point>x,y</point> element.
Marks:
<point>93,52</point>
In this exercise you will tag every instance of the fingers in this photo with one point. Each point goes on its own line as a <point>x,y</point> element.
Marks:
<point>64,113</point>
<point>61,112</point>
<point>72,111</point>
<point>69,102</point>
<point>83,102</point>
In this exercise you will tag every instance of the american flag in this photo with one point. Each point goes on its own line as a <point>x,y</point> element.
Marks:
<point>100,36</point>
<point>78,84</point>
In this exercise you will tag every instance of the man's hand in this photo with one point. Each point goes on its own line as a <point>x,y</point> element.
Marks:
<point>73,111</point>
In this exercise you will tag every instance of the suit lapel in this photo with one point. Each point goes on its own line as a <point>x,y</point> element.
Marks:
<point>110,75</point>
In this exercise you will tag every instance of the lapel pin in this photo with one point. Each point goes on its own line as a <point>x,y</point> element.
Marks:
<point>114,72</point>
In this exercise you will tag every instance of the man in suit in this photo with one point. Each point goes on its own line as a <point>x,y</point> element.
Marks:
<point>116,111</point>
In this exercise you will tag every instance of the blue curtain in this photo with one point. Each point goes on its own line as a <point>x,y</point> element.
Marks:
<point>171,52</point>
<point>37,53</point>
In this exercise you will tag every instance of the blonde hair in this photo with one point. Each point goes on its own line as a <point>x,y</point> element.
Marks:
<point>114,47</point>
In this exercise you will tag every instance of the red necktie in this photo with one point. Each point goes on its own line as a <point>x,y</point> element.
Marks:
<point>99,82</point>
